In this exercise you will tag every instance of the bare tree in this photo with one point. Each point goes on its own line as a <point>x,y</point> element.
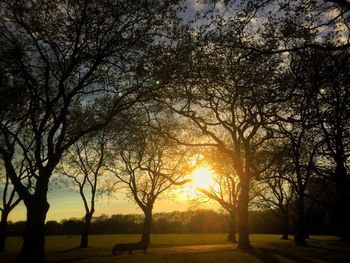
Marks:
<point>76,62</point>
<point>332,102</point>
<point>297,125</point>
<point>84,164</point>
<point>148,166</point>
<point>275,191</point>
<point>9,201</point>
<point>275,26</point>
<point>224,96</point>
<point>10,97</point>
<point>317,32</point>
<point>328,78</point>
<point>225,188</point>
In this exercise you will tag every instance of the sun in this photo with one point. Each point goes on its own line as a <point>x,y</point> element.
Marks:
<point>202,178</point>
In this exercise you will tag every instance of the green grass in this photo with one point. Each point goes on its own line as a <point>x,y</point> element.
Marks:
<point>270,248</point>
<point>205,257</point>
<point>60,243</point>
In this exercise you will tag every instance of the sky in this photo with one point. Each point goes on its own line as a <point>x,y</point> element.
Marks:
<point>65,204</point>
<point>68,204</point>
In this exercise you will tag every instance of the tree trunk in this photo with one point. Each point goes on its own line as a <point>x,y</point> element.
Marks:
<point>342,180</point>
<point>3,226</point>
<point>307,226</point>
<point>147,224</point>
<point>344,214</point>
<point>33,248</point>
<point>84,242</point>
<point>243,242</point>
<point>232,228</point>
<point>285,230</point>
<point>300,237</point>
<point>343,198</point>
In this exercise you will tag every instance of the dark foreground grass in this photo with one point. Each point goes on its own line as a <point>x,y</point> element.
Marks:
<point>60,243</point>
<point>165,248</point>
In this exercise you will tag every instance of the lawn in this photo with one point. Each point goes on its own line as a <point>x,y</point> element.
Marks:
<point>60,243</point>
<point>165,248</point>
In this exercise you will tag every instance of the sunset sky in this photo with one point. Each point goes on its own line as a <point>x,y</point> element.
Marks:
<point>210,126</point>
<point>68,204</point>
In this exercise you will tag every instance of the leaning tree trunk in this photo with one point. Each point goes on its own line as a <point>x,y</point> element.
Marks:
<point>243,242</point>
<point>343,207</point>
<point>300,237</point>
<point>285,230</point>
<point>344,214</point>
<point>3,227</point>
<point>232,228</point>
<point>84,242</point>
<point>33,248</point>
<point>147,225</point>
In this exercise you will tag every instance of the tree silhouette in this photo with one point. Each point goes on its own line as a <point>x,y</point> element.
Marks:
<point>84,164</point>
<point>225,96</point>
<point>149,165</point>
<point>77,62</point>
<point>275,191</point>
<point>225,189</point>
<point>9,201</point>
<point>328,78</point>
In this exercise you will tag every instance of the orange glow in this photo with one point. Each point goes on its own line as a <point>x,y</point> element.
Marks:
<point>202,178</point>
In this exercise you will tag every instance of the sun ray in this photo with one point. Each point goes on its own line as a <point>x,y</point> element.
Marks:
<point>202,178</point>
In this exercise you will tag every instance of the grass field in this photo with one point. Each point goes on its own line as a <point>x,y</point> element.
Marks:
<point>60,243</point>
<point>174,248</point>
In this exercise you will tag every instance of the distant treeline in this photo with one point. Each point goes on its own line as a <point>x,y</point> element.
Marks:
<point>192,221</point>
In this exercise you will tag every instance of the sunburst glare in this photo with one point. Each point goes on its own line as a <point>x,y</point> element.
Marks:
<point>202,177</point>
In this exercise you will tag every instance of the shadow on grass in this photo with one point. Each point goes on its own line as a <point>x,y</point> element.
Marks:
<point>291,256</point>
<point>65,260</point>
<point>337,248</point>
<point>269,256</point>
<point>70,250</point>
<point>316,252</point>
<point>264,255</point>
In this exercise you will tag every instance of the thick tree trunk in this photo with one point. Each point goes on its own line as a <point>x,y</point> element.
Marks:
<point>84,242</point>
<point>243,242</point>
<point>147,225</point>
<point>33,248</point>
<point>232,228</point>
<point>300,237</point>
<point>342,181</point>
<point>344,214</point>
<point>3,227</point>
<point>285,230</point>
<point>343,203</point>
